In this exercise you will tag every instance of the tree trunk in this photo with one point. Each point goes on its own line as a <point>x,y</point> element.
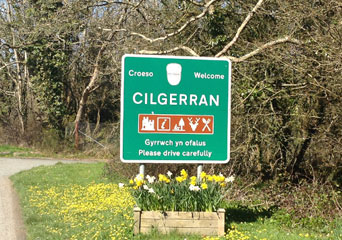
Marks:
<point>84,98</point>
<point>98,117</point>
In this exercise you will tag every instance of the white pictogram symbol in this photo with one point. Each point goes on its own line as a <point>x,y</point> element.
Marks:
<point>192,124</point>
<point>180,126</point>
<point>147,124</point>
<point>206,122</point>
<point>163,123</point>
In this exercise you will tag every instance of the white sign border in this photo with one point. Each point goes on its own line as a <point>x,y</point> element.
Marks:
<point>173,161</point>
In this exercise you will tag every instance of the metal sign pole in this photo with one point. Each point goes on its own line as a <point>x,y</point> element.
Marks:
<point>142,169</point>
<point>199,170</point>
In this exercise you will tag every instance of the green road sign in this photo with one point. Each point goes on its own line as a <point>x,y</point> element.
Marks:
<point>175,109</point>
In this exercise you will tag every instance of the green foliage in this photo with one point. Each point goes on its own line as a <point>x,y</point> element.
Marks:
<point>49,70</point>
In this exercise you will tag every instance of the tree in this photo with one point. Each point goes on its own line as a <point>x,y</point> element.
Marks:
<point>61,61</point>
<point>13,62</point>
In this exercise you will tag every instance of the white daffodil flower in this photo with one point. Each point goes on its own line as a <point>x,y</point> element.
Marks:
<point>194,188</point>
<point>229,179</point>
<point>139,177</point>
<point>150,179</point>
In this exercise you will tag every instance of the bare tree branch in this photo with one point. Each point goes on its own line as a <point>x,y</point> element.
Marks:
<point>181,47</point>
<point>185,48</point>
<point>105,3</point>
<point>263,47</point>
<point>179,30</point>
<point>9,93</point>
<point>9,64</point>
<point>233,59</point>
<point>196,3</point>
<point>240,29</point>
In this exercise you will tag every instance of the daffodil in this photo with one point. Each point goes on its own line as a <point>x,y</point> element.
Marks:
<point>193,180</point>
<point>230,179</point>
<point>140,177</point>
<point>194,188</point>
<point>204,186</point>
<point>180,179</point>
<point>219,178</point>
<point>184,174</point>
<point>189,187</point>
<point>150,179</point>
<point>163,178</point>
<point>203,175</point>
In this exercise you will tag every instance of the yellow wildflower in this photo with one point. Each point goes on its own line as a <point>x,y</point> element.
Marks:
<point>204,186</point>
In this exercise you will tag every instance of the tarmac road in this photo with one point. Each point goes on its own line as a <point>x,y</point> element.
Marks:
<point>11,223</point>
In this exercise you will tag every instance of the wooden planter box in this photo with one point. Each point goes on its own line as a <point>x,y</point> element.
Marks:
<point>201,223</point>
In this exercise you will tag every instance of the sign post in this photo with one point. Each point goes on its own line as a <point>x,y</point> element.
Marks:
<point>175,109</point>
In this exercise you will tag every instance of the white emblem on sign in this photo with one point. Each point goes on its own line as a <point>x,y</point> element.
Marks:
<point>180,126</point>
<point>206,122</point>
<point>147,124</point>
<point>174,73</point>
<point>193,125</point>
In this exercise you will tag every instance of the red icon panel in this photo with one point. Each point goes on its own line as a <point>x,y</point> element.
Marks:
<point>178,124</point>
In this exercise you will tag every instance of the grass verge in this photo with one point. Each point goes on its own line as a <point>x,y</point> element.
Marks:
<point>76,201</point>
<point>13,151</point>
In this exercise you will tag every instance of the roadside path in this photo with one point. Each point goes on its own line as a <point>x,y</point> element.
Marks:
<point>11,223</point>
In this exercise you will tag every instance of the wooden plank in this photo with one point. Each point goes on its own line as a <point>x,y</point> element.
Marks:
<point>179,215</point>
<point>137,220</point>
<point>220,222</point>
<point>198,231</point>
<point>201,223</point>
<point>191,223</point>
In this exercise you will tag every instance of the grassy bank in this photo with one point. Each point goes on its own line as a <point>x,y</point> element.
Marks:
<point>76,201</point>
<point>11,151</point>
<point>14,151</point>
